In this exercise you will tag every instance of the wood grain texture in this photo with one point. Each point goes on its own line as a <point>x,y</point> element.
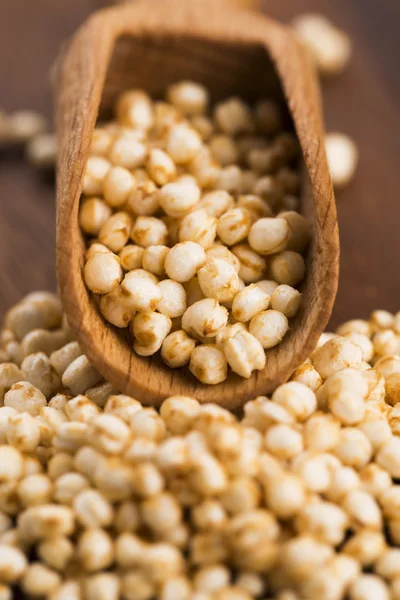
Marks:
<point>362,102</point>
<point>232,51</point>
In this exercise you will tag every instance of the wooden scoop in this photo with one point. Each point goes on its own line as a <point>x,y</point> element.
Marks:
<point>150,44</point>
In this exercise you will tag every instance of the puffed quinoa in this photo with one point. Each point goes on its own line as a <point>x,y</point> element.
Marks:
<point>297,398</point>
<point>269,327</point>
<point>234,226</point>
<point>93,213</point>
<point>336,354</point>
<point>102,273</point>
<point>140,292</point>
<point>233,116</point>
<point>188,97</point>
<point>204,169</point>
<point>300,234</point>
<point>149,231</point>
<point>388,457</point>
<point>13,564</point>
<point>56,552</point>
<point>269,235</point>
<point>369,587</point>
<point>208,363</point>
<point>270,190</point>
<point>244,353</point>
<point>329,47</point>
<point>203,125</point>
<point>22,126</point>
<point>286,300</point>
<point>263,159</point>
<point>80,375</point>
<point>252,265</point>
<point>198,227</point>
<point>134,108</point>
<point>283,441</point>
<point>204,319</point>
<point>267,285</point>
<point>143,200</point>
<point>228,332</point>
<point>249,302</point>
<point>222,252</point>
<point>95,549</point>
<point>342,155</point>
<point>39,580</point>
<point>23,432</point>
<point>216,203</point>
<point>102,586</point>
<point>131,257</point>
<point>184,260</point>
<point>185,182</point>
<point>224,150</point>
<point>24,397</point>
<point>218,279</point>
<point>118,185</point>
<point>308,375</point>
<point>287,500</point>
<point>177,349</point>
<point>287,267</point>
<point>182,143</point>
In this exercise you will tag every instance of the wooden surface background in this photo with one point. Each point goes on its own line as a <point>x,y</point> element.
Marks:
<point>363,102</point>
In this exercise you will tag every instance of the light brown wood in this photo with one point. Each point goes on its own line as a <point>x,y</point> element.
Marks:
<point>149,44</point>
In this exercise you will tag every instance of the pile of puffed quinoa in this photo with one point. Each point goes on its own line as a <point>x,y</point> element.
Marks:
<point>194,239</point>
<point>101,498</point>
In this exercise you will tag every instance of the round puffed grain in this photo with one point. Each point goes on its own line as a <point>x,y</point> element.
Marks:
<point>218,279</point>
<point>179,197</point>
<point>131,257</point>
<point>143,200</point>
<point>116,230</point>
<point>286,300</point>
<point>248,302</point>
<point>208,364</point>
<point>173,302</point>
<point>233,116</point>
<point>252,265</point>
<point>233,226</point>
<point>184,260</point>
<point>177,349</point>
<point>269,236</point>
<point>198,227</point>
<point>188,97</point>
<point>244,353</point>
<point>93,213</point>
<point>269,327</point>
<point>134,109</point>
<point>160,167</point>
<point>153,259</point>
<point>287,267</point>
<point>182,143</point>
<point>204,319</point>
<point>216,203</point>
<point>149,231</point>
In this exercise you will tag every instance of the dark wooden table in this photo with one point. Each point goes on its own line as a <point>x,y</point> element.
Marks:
<point>363,103</point>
